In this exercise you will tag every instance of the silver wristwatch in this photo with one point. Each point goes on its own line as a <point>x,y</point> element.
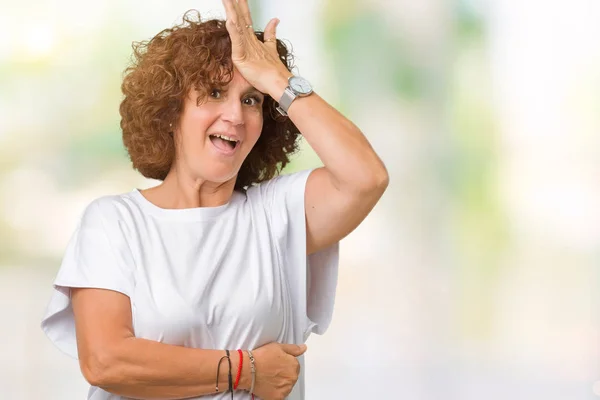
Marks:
<point>297,87</point>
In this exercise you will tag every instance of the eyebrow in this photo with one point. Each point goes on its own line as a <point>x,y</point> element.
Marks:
<point>247,90</point>
<point>252,90</point>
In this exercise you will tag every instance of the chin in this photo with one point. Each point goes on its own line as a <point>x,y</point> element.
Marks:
<point>219,174</point>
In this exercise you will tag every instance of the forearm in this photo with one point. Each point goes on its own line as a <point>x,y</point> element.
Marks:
<point>141,368</point>
<point>340,145</point>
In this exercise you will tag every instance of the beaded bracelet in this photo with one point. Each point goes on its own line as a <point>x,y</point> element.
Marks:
<point>253,369</point>
<point>239,371</point>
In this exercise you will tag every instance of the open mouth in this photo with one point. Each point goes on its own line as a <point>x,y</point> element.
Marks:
<point>224,143</point>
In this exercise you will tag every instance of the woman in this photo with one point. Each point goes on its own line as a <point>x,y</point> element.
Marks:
<point>209,283</point>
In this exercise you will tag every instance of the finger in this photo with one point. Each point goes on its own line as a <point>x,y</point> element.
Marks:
<point>244,10</point>
<point>270,35</point>
<point>232,26</point>
<point>294,349</point>
<point>230,12</point>
<point>245,22</point>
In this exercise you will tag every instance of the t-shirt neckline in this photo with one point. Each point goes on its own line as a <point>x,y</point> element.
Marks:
<point>189,214</point>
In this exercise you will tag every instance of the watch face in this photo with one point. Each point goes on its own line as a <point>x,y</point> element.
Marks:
<point>300,85</point>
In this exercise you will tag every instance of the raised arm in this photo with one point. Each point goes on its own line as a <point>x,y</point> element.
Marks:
<point>341,194</point>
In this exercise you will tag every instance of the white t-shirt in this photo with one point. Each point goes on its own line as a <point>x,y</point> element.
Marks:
<point>226,277</point>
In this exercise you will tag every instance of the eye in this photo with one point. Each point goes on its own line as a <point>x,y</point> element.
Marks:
<point>252,101</point>
<point>215,93</point>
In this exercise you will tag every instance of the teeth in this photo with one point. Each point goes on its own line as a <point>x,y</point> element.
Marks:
<point>226,138</point>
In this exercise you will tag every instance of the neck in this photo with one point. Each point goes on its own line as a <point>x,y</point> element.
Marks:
<point>178,191</point>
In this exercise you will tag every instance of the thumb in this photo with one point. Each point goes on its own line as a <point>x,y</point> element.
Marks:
<point>294,349</point>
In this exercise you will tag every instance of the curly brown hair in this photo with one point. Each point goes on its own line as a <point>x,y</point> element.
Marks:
<point>194,54</point>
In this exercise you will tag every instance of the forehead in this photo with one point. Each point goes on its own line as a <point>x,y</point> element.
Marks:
<point>238,81</point>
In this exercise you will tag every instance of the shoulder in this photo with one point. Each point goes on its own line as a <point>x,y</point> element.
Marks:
<point>281,199</point>
<point>107,209</point>
<point>273,189</point>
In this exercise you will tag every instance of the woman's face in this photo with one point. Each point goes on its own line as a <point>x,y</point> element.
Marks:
<point>235,113</point>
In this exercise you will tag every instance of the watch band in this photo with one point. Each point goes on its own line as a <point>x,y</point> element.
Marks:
<point>286,100</point>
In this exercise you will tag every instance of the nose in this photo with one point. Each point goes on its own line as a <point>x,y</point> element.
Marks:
<point>232,111</point>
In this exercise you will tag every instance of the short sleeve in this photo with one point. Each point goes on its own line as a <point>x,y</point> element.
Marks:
<point>312,279</point>
<point>97,256</point>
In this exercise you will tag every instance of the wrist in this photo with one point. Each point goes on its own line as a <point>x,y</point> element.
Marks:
<point>277,85</point>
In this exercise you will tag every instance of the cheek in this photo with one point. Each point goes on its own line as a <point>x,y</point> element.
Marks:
<point>254,125</point>
<point>203,117</point>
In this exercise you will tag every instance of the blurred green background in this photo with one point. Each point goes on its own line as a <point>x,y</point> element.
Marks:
<point>476,276</point>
